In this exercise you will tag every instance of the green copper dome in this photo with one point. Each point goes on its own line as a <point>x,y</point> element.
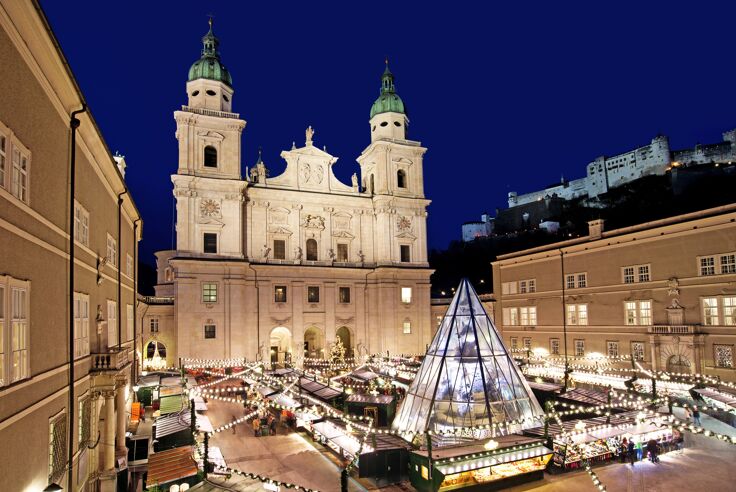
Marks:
<point>209,65</point>
<point>388,101</point>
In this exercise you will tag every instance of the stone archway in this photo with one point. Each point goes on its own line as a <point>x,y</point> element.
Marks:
<point>346,337</point>
<point>154,356</point>
<point>279,345</point>
<point>314,343</point>
<point>678,363</point>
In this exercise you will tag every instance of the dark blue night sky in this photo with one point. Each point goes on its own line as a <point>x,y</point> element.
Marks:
<point>506,95</point>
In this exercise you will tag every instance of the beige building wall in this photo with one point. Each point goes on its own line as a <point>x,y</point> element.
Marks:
<point>658,311</point>
<point>35,229</point>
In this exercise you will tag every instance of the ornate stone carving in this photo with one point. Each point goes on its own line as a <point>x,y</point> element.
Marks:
<point>673,287</point>
<point>314,222</point>
<point>309,133</point>
<point>209,208</point>
<point>318,173</point>
<point>306,172</point>
<point>403,224</point>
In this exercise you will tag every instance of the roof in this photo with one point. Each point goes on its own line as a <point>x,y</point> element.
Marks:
<point>173,404</point>
<point>318,389</point>
<point>209,65</point>
<point>377,399</point>
<point>507,441</point>
<point>388,101</point>
<point>172,423</point>
<point>171,465</point>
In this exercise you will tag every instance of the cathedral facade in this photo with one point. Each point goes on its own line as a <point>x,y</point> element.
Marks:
<point>278,268</point>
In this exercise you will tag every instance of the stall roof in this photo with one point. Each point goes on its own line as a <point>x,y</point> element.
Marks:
<point>587,396</point>
<point>495,459</point>
<point>377,399</point>
<point>318,389</point>
<point>456,451</point>
<point>171,381</point>
<point>282,372</point>
<point>266,391</point>
<point>284,400</point>
<point>215,456</point>
<point>328,393</point>
<point>171,465</point>
<point>170,390</point>
<point>549,387</point>
<point>725,398</point>
<point>172,423</point>
<point>389,441</point>
<point>327,429</point>
<point>173,404</point>
<point>199,404</point>
<point>149,380</point>
<point>364,373</point>
<point>204,424</point>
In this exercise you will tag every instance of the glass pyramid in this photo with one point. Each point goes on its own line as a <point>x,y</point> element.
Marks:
<point>467,377</point>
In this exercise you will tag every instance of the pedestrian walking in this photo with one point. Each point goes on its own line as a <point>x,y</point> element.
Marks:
<point>631,451</point>
<point>652,450</point>
<point>233,417</point>
<point>639,450</point>
<point>696,417</point>
<point>624,450</point>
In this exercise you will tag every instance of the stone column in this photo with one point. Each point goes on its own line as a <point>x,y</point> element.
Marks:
<point>94,458</point>
<point>120,410</point>
<point>108,434</point>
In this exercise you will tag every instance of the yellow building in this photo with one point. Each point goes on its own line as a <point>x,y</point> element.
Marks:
<point>46,431</point>
<point>663,292</point>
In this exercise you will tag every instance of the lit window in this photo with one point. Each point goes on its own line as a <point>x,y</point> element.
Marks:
<point>20,174</point>
<point>312,294</point>
<point>708,265</point>
<point>209,292</point>
<point>406,295</point>
<point>210,331</point>
<point>344,294</point>
<point>723,355</point>
<point>528,315</point>
<point>81,224</point>
<point>279,249</point>
<point>527,343</point>
<point>279,293</point>
<point>579,347</point>
<point>582,280</point>
<point>638,312</point>
<point>342,252</point>
<point>509,287</point>
<point>644,273</point>
<point>577,314</point>
<point>57,447</point>
<point>729,311</point>
<point>112,251</point>
<point>112,323</point>
<point>612,348</point>
<point>81,325</point>
<point>511,316</point>
<point>514,344</point>
<point>728,263</point>
<point>637,350</point>
<point>407,327</point>
<point>19,363</point>
<point>554,346</point>
<point>129,313</point>
<point>710,311</point>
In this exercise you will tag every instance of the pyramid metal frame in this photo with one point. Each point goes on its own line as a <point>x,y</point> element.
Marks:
<point>467,378</point>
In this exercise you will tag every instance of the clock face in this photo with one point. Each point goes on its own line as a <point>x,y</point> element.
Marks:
<point>209,208</point>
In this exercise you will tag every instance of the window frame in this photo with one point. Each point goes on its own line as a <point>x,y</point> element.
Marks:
<point>206,332</point>
<point>581,341</point>
<point>342,258</point>
<point>406,327</point>
<point>216,236</point>
<point>207,290</point>
<point>16,330</point>
<point>340,297</point>
<point>638,319</point>
<point>724,310</point>
<point>154,324</point>
<point>111,251</point>
<point>81,325</point>
<point>552,343</point>
<point>637,273</point>
<point>313,290</point>
<point>24,154</point>
<point>311,255</point>
<point>112,322</point>
<point>634,354</point>
<point>277,294</point>
<point>279,253</point>
<point>616,345</point>
<point>129,267</point>
<point>528,315</point>
<point>579,314</point>
<point>81,224</point>
<point>405,253</point>
<point>717,360</point>
<point>406,295</point>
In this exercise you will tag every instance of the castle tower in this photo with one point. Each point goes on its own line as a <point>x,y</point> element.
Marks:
<point>208,186</point>
<point>392,173</point>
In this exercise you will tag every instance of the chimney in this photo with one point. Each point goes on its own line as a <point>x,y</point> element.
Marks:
<point>595,228</point>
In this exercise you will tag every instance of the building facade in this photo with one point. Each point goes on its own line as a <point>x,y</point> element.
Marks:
<point>49,436</point>
<point>663,292</point>
<point>277,268</point>
<point>474,230</point>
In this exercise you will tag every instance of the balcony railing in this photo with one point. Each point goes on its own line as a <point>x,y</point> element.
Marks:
<point>672,329</point>
<point>157,299</point>
<point>110,361</point>
<point>211,112</point>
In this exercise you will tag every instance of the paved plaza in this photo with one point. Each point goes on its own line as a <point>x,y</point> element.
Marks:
<point>705,463</point>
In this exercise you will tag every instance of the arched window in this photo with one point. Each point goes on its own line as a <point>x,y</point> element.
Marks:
<point>210,156</point>
<point>371,187</point>
<point>311,250</point>
<point>401,178</point>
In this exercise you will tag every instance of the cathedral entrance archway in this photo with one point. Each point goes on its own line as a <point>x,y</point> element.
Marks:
<point>314,343</point>
<point>678,364</point>
<point>280,345</point>
<point>343,333</point>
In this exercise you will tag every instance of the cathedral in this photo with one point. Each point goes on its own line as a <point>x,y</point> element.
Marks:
<point>278,268</point>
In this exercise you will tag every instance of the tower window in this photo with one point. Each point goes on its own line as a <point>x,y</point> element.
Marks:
<point>397,123</point>
<point>384,123</point>
<point>195,93</point>
<point>210,242</point>
<point>225,98</point>
<point>210,156</point>
<point>210,92</point>
<point>401,178</point>
<point>405,253</point>
<point>311,250</point>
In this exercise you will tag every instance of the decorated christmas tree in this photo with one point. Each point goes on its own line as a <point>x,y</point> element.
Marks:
<point>337,351</point>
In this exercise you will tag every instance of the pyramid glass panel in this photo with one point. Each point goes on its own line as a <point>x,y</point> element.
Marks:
<point>467,378</point>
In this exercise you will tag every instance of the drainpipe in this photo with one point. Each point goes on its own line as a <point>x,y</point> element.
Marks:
<point>134,369</point>
<point>73,124</point>
<point>119,253</point>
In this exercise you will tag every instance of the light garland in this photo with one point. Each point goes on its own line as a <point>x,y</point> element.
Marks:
<point>265,480</point>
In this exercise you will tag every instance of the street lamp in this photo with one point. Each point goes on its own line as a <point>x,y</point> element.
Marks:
<point>53,488</point>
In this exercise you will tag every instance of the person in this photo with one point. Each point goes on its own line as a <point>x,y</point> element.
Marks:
<point>624,449</point>
<point>256,426</point>
<point>679,442</point>
<point>273,426</point>
<point>234,417</point>
<point>639,450</point>
<point>652,450</point>
<point>631,451</point>
<point>143,413</point>
<point>696,417</point>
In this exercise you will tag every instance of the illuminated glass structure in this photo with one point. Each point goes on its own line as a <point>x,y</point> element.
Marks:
<point>467,378</point>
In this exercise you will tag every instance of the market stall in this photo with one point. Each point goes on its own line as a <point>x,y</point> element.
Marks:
<point>381,408</point>
<point>501,462</point>
<point>337,438</point>
<point>173,430</point>
<point>172,467</point>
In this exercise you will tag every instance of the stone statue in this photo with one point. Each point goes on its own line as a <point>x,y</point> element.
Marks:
<point>99,319</point>
<point>361,256</point>
<point>331,254</point>
<point>266,251</point>
<point>298,253</point>
<point>310,135</point>
<point>354,178</point>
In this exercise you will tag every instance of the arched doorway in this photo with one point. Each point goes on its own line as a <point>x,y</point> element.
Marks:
<point>154,356</point>
<point>313,343</point>
<point>280,345</point>
<point>343,333</point>
<point>312,250</point>
<point>678,364</point>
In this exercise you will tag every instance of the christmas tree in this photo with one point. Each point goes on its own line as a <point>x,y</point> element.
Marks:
<point>337,351</point>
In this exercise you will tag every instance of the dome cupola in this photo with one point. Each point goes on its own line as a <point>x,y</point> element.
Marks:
<point>209,65</point>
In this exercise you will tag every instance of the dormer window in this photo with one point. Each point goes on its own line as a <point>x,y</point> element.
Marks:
<point>401,178</point>
<point>210,156</point>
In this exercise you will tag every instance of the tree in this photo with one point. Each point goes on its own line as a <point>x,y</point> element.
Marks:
<point>337,351</point>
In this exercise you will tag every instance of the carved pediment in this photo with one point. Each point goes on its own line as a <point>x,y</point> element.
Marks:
<point>279,230</point>
<point>406,235</point>
<point>314,222</point>
<point>344,321</point>
<point>211,221</point>
<point>403,161</point>
<point>343,234</point>
<point>211,135</point>
<point>282,321</point>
